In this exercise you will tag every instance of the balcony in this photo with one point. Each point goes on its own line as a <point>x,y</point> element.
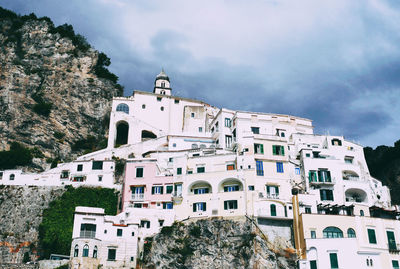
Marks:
<point>272,196</point>
<point>331,181</point>
<point>88,234</point>
<point>137,196</point>
<point>394,248</point>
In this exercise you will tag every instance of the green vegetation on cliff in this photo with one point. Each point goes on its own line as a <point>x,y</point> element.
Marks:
<point>55,231</point>
<point>18,155</point>
<point>384,164</point>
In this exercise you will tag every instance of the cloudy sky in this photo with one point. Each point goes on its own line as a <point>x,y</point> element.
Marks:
<point>336,62</point>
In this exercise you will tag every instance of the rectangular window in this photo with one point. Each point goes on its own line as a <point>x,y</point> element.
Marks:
<point>297,171</point>
<point>119,232</point>
<point>169,189</point>
<point>176,101</point>
<point>272,191</point>
<point>199,207</point>
<point>100,178</point>
<point>228,141</point>
<point>139,171</point>
<point>308,210</point>
<point>395,264</point>
<point>64,174</point>
<point>79,168</point>
<point>334,260</point>
<point>201,169</point>
<point>111,254</point>
<point>324,176</point>
<point>255,130</point>
<point>97,165</point>
<point>88,230</point>
<point>371,236</point>
<point>231,204</point>
<point>1,175</point>
<point>251,187</point>
<point>391,240</point>
<point>312,176</point>
<point>313,264</point>
<point>145,224</point>
<point>228,122</point>
<point>326,195</point>
<point>200,129</point>
<point>313,235</point>
<point>192,115</point>
<point>231,188</point>
<point>157,190</point>
<point>179,171</point>
<point>201,190</point>
<point>259,168</point>
<point>159,99</point>
<point>230,167</point>
<point>168,205</point>
<point>278,150</point>
<point>279,167</point>
<point>348,160</point>
<point>258,149</point>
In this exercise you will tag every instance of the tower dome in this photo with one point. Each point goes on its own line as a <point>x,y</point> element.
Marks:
<point>161,84</point>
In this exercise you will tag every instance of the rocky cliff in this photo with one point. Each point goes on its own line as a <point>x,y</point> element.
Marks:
<point>215,243</point>
<point>55,90</point>
<point>21,209</point>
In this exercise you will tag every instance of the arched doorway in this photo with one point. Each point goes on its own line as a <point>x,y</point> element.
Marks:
<point>147,135</point>
<point>122,133</point>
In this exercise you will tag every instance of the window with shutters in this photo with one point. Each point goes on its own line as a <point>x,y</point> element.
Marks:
<point>169,188</point>
<point>179,171</point>
<point>278,150</point>
<point>279,167</point>
<point>371,236</point>
<point>395,264</point>
<point>228,141</point>
<point>97,165</point>
<point>139,171</point>
<point>324,176</point>
<point>199,207</point>
<point>259,168</point>
<point>326,195</point>
<point>145,224</point>
<point>272,192</point>
<point>201,169</point>
<point>273,210</point>
<point>255,130</point>
<point>334,260</point>
<point>258,149</point>
<point>157,190</point>
<point>119,232</point>
<point>168,205</point>
<point>297,171</point>
<point>230,205</point>
<point>228,122</point>
<point>313,264</point>
<point>111,254</point>
<point>201,190</point>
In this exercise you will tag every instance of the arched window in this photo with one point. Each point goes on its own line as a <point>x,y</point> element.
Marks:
<point>123,108</point>
<point>361,212</point>
<point>163,84</point>
<point>351,233</point>
<point>76,251</point>
<point>336,142</point>
<point>95,252</point>
<point>332,232</point>
<point>282,134</point>
<point>202,146</point>
<point>273,210</point>
<point>85,252</point>
<point>194,146</point>
<point>12,177</point>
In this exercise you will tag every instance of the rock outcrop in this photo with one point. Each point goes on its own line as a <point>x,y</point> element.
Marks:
<point>54,88</point>
<point>215,243</point>
<point>21,210</point>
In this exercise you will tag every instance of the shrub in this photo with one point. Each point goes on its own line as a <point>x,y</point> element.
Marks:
<point>17,155</point>
<point>55,231</point>
<point>195,231</point>
<point>89,144</point>
<point>36,153</point>
<point>58,135</point>
<point>100,68</point>
<point>167,230</point>
<point>67,31</point>
<point>43,108</point>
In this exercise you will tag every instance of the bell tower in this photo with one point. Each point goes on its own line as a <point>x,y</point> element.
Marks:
<point>161,84</point>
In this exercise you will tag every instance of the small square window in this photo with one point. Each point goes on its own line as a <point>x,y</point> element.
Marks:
<point>133,233</point>
<point>170,188</point>
<point>201,169</point>
<point>159,99</point>
<point>251,188</point>
<point>179,171</point>
<point>255,130</point>
<point>100,178</point>
<point>230,167</point>
<point>192,115</point>
<point>174,145</point>
<point>143,106</point>
<point>80,167</point>
<point>308,155</point>
<point>162,108</point>
<point>105,231</point>
<point>200,129</point>
<point>176,101</point>
<point>111,254</point>
<point>97,165</point>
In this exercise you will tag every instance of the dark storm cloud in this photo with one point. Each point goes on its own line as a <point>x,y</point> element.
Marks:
<point>337,62</point>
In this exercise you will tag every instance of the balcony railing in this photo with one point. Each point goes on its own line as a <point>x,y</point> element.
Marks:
<point>88,234</point>
<point>272,196</point>
<point>331,181</point>
<point>394,248</point>
<point>137,196</point>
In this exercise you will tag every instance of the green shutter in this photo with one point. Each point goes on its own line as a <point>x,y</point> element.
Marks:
<point>225,205</point>
<point>262,148</point>
<point>283,150</point>
<point>334,260</point>
<point>268,189</point>
<point>371,236</point>
<point>255,148</point>
<point>205,206</point>
<point>152,190</point>
<point>274,150</point>
<point>162,189</point>
<point>194,207</point>
<point>309,176</point>
<point>277,190</point>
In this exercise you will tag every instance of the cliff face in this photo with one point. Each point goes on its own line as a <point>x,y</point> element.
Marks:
<point>21,209</point>
<point>384,164</point>
<point>50,95</point>
<point>215,243</point>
